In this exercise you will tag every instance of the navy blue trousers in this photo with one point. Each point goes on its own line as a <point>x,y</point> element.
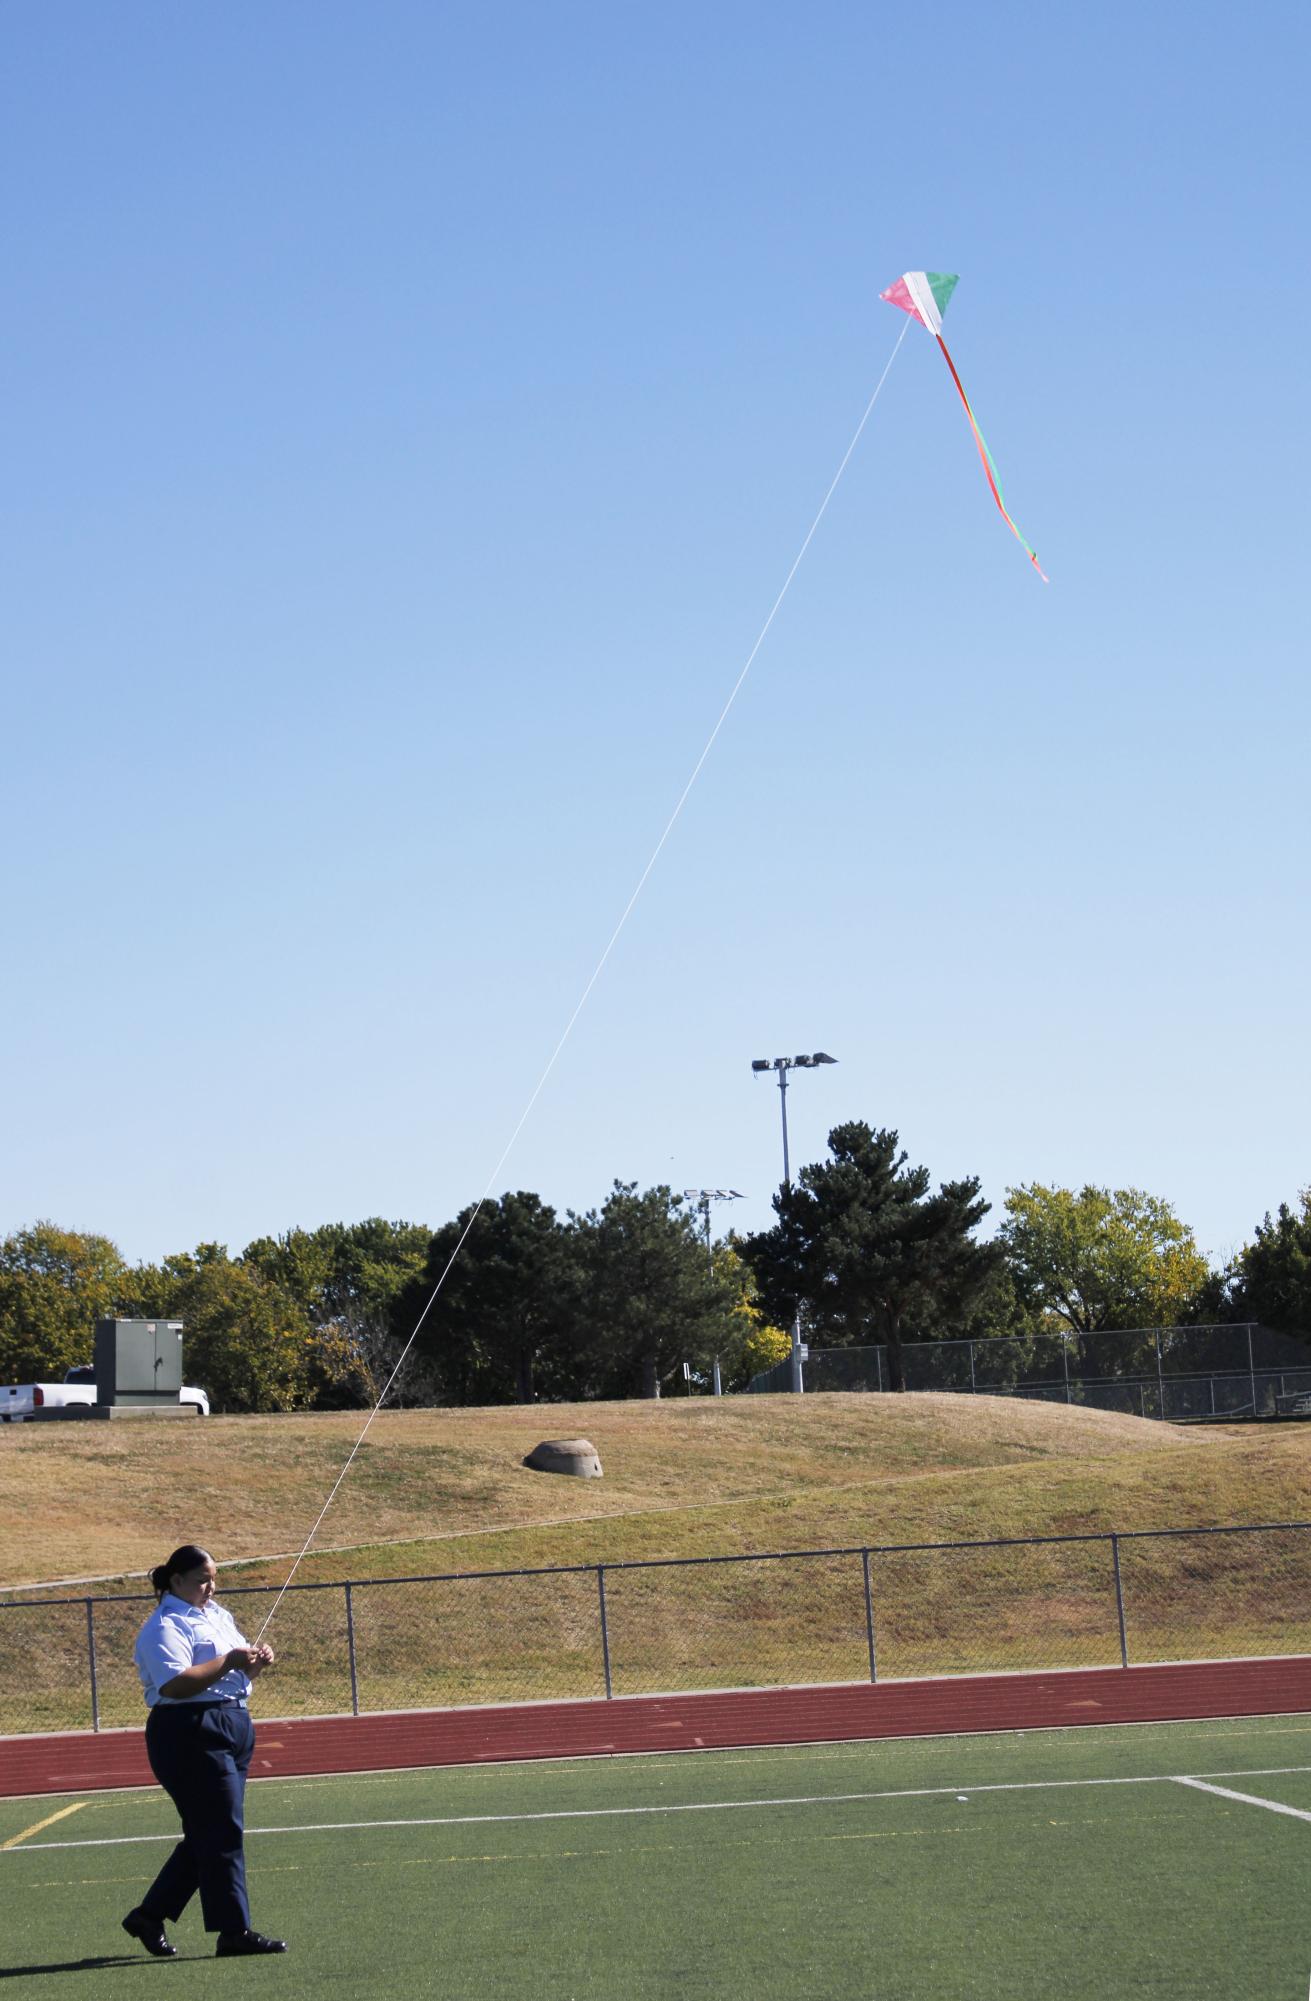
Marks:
<point>200,1753</point>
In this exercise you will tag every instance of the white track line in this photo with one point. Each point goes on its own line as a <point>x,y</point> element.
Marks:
<point>697,1806</point>
<point>824,1750</point>
<point>1247,1799</point>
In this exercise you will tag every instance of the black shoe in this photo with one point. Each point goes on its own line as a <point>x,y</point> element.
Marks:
<point>139,1925</point>
<point>231,1943</point>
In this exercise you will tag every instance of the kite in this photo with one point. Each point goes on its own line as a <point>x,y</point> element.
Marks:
<point>925,296</point>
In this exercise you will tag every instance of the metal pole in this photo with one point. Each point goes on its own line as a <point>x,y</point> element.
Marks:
<point>1160,1379</point>
<point>1119,1600</point>
<point>869,1616</point>
<point>605,1631</point>
<point>1065,1359</point>
<point>350,1652</point>
<point>973,1384</point>
<point>797,1381</point>
<point>717,1384</point>
<point>1251,1368</point>
<point>91,1662</point>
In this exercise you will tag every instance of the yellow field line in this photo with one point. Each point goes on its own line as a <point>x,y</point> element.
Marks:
<point>49,1821</point>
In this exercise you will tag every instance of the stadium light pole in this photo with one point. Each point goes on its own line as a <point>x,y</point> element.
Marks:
<point>780,1065</point>
<point>703,1197</point>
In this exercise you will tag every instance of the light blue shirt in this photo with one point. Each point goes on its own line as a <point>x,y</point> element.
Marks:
<point>177,1636</point>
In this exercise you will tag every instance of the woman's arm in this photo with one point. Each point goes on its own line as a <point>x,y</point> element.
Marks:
<point>194,1680</point>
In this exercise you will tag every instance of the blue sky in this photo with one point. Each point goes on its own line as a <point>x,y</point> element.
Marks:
<point>413,413</point>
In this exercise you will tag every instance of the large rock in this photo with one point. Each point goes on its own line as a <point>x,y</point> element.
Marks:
<point>566,1455</point>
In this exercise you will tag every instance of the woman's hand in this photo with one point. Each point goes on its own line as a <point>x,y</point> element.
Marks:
<point>193,1681</point>
<point>261,1656</point>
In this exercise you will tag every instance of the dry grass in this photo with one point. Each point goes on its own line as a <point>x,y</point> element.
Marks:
<point>444,1491</point>
<point>448,1490</point>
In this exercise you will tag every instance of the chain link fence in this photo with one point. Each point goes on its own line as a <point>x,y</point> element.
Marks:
<point>1180,1374</point>
<point>881,1612</point>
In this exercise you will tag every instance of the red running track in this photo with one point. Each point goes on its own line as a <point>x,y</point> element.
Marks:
<point>81,1761</point>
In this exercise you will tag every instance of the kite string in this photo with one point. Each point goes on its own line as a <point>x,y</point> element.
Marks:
<point>597,971</point>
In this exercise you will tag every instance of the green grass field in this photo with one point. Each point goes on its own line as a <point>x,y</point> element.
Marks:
<point>1021,1867</point>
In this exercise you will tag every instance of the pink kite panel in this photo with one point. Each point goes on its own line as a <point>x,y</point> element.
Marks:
<point>899,295</point>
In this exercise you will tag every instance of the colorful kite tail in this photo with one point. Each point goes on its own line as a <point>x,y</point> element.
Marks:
<point>989,469</point>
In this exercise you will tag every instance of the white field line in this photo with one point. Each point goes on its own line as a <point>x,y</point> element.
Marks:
<point>1247,1799</point>
<point>697,1806</point>
<point>825,1751</point>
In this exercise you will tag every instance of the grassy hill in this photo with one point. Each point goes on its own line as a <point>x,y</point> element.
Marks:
<point>435,1492</point>
<point>443,1490</point>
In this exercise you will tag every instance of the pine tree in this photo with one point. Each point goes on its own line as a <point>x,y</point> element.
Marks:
<point>868,1251</point>
<point>1274,1272</point>
<point>651,1302</point>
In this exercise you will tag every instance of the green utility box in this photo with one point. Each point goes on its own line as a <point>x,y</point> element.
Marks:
<point>138,1361</point>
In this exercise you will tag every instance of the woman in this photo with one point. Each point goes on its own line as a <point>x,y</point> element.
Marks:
<point>197,1671</point>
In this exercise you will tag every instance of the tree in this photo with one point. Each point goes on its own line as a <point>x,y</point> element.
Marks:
<point>868,1251</point>
<point>347,1278</point>
<point>1102,1258</point>
<point>246,1339</point>
<point>650,1300</point>
<point>344,1271</point>
<point>760,1346</point>
<point>1273,1273</point>
<point>54,1285</point>
<point>764,1348</point>
<point>1001,1312</point>
<point>504,1325</point>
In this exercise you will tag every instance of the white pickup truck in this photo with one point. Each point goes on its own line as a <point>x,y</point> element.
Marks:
<point>22,1400</point>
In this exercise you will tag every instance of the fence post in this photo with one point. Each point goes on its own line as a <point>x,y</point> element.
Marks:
<point>1160,1379</point>
<point>1119,1600</point>
<point>605,1631</point>
<point>869,1616</point>
<point>1251,1368</point>
<point>350,1651</point>
<point>1065,1363</point>
<point>91,1662</point>
<point>973,1385</point>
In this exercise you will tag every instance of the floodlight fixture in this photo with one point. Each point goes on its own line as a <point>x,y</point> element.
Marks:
<point>759,1063</point>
